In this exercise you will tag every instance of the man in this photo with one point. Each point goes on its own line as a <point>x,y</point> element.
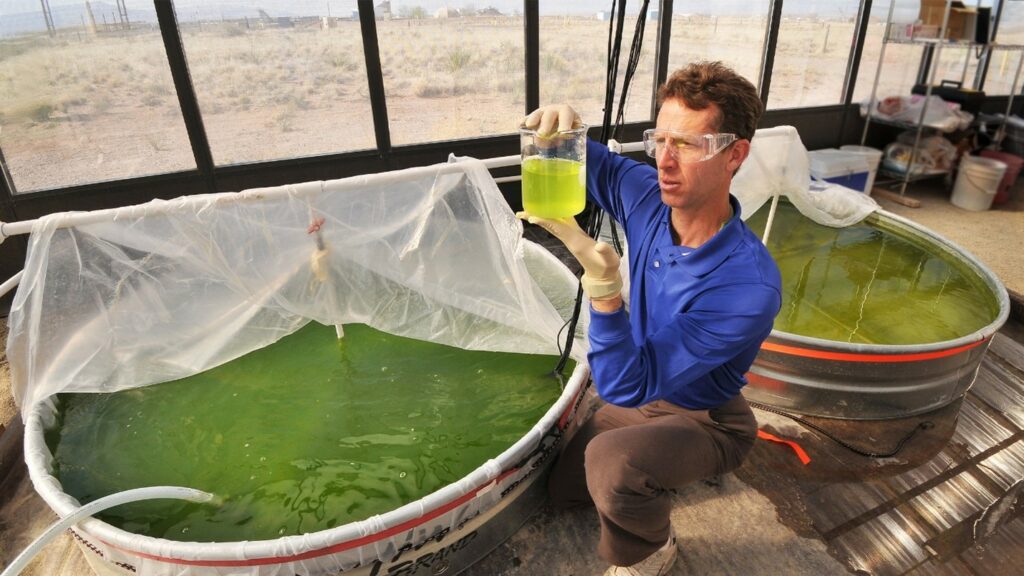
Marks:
<point>704,293</point>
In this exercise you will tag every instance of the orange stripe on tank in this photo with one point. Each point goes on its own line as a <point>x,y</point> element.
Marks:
<point>879,358</point>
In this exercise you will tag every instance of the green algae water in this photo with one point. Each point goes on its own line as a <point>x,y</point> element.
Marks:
<point>306,434</point>
<point>553,187</point>
<point>871,283</point>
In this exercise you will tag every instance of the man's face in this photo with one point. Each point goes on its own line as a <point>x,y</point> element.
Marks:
<point>691,185</point>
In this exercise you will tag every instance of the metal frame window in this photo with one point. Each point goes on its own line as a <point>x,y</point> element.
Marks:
<point>207,177</point>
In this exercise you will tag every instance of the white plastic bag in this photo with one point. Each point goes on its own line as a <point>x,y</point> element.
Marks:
<point>778,165</point>
<point>940,114</point>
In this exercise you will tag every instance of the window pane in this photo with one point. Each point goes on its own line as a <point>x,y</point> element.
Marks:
<point>451,72</point>
<point>958,64</point>
<point>277,79</point>
<point>732,33</point>
<point>1002,67</point>
<point>899,70</point>
<point>91,101</point>
<point>574,59</point>
<point>812,53</point>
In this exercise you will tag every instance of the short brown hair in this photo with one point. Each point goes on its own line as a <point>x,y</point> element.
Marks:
<point>703,83</point>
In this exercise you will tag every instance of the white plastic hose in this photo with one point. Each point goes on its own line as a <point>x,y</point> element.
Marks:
<point>768,225</point>
<point>96,506</point>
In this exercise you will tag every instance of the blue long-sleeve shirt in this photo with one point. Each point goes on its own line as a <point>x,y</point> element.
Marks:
<point>697,316</point>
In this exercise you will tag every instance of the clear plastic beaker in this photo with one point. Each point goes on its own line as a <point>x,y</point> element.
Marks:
<point>554,172</point>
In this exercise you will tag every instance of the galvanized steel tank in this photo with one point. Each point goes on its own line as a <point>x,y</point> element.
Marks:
<point>821,377</point>
<point>444,532</point>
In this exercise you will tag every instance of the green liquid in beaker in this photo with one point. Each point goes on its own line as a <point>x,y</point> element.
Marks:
<point>553,187</point>
<point>871,283</point>
<point>303,435</point>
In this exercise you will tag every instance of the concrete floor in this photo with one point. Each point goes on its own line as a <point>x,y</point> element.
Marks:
<point>772,516</point>
<point>995,237</point>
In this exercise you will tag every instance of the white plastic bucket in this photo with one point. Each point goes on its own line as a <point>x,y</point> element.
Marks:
<point>873,156</point>
<point>977,183</point>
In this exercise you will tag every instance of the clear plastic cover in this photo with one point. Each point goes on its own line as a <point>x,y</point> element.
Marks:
<point>124,298</point>
<point>778,164</point>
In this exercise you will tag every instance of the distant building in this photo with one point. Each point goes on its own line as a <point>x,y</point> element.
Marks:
<point>447,13</point>
<point>268,21</point>
<point>491,11</point>
<point>605,15</point>
<point>383,10</point>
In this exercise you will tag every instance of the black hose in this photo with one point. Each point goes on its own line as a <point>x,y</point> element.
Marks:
<point>595,217</point>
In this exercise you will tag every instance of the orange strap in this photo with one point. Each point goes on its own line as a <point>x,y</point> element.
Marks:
<point>796,447</point>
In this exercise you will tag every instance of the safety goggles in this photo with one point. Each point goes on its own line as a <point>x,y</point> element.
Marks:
<point>685,147</point>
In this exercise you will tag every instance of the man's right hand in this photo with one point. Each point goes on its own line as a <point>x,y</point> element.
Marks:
<point>548,120</point>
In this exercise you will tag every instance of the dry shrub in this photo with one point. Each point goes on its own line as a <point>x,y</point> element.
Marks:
<point>457,59</point>
<point>426,89</point>
<point>41,112</point>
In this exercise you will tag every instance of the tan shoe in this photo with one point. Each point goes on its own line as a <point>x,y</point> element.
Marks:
<point>657,564</point>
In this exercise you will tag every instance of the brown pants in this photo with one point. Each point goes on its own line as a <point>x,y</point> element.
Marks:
<point>626,460</point>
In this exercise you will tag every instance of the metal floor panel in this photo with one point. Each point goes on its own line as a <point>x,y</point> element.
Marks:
<point>977,430</point>
<point>1000,555</point>
<point>997,387</point>
<point>936,567</point>
<point>888,545</point>
<point>1009,350</point>
<point>1006,466</point>
<point>952,502</point>
<point>835,504</point>
<point>923,474</point>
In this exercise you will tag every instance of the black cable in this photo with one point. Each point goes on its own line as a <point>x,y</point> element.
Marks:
<point>596,216</point>
<point>631,65</point>
<point>558,338</point>
<point>927,424</point>
<point>613,66</point>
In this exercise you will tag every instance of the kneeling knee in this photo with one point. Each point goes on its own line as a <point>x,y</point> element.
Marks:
<point>611,475</point>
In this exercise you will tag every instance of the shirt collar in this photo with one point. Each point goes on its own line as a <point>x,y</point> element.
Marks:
<point>700,261</point>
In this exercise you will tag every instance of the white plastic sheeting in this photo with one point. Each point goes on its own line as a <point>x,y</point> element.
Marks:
<point>938,113</point>
<point>778,165</point>
<point>160,291</point>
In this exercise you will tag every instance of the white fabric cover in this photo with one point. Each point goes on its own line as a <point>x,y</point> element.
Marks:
<point>163,290</point>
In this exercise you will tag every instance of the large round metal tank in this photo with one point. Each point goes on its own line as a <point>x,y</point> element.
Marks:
<point>816,376</point>
<point>442,533</point>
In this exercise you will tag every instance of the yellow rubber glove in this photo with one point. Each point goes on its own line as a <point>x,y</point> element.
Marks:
<point>552,118</point>
<point>601,279</point>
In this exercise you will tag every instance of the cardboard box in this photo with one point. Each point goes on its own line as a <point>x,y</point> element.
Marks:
<point>962,23</point>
